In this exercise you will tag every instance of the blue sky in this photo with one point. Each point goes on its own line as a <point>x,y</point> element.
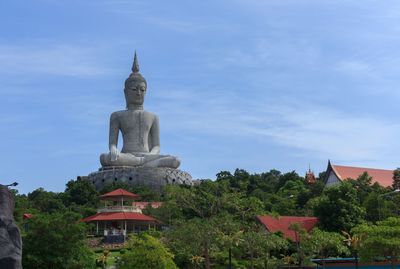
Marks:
<point>243,83</point>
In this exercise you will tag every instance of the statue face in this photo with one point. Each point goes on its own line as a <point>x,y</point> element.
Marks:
<point>135,92</point>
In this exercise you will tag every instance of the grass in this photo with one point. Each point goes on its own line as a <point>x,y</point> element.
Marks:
<point>111,257</point>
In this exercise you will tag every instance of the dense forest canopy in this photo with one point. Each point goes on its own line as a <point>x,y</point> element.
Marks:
<point>214,221</point>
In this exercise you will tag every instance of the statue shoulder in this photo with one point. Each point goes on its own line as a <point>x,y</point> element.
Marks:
<point>151,115</point>
<point>117,114</point>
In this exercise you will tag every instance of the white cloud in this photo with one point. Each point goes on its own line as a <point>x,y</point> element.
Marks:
<point>53,60</point>
<point>305,127</point>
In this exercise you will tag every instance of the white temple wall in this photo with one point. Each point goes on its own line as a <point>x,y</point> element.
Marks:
<point>332,179</point>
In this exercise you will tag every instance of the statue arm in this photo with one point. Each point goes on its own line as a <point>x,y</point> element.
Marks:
<point>113,136</point>
<point>155,136</point>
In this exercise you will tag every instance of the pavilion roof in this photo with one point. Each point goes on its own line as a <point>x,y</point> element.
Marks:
<point>104,216</point>
<point>381,176</point>
<point>119,193</point>
<point>282,224</point>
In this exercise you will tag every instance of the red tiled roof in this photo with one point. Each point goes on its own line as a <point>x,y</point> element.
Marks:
<point>119,193</point>
<point>143,205</point>
<point>381,176</point>
<point>119,216</point>
<point>282,224</point>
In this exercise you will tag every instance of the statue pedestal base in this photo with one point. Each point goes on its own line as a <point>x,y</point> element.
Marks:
<point>154,178</point>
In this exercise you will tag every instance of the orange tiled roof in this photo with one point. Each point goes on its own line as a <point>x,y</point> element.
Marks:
<point>381,176</point>
<point>282,224</point>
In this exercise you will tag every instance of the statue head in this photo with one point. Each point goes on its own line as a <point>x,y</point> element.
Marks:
<point>135,86</point>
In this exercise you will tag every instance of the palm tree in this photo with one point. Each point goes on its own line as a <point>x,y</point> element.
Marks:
<point>354,242</point>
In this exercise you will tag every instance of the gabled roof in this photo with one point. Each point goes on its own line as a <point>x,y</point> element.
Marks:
<point>119,216</point>
<point>119,193</point>
<point>282,224</point>
<point>381,176</point>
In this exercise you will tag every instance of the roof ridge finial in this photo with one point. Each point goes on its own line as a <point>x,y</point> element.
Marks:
<point>135,66</point>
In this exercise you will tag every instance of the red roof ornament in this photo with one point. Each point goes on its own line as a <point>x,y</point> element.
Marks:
<point>27,216</point>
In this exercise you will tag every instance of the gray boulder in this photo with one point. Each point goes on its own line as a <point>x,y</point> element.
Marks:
<point>10,237</point>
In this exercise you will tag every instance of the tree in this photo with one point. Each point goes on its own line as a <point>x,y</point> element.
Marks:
<point>382,239</point>
<point>354,243</point>
<point>193,238</point>
<point>259,245</point>
<point>291,176</point>
<point>147,251</point>
<point>396,179</point>
<point>379,207</point>
<point>80,192</point>
<point>338,209</point>
<point>323,244</point>
<point>301,235</point>
<point>229,235</point>
<point>46,201</point>
<point>363,185</point>
<point>56,241</point>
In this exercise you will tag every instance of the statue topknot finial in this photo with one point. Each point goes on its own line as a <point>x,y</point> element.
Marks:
<point>135,76</point>
<point>135,66</point>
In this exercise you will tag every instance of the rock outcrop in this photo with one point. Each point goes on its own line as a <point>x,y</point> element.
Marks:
<point>10,237</point>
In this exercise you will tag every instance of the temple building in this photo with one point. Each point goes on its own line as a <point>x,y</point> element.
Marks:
<point>282,224</point>
<point>310,177</point>
<point>337,173</point>
<point>119,216</point>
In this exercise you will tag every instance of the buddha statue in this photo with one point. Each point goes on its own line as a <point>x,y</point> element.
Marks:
<point>140,130</point>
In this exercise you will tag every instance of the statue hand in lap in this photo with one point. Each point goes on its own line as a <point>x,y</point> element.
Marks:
<point>140,130</point>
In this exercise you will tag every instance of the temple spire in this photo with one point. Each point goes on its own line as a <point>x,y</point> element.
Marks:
<point>135,66</point>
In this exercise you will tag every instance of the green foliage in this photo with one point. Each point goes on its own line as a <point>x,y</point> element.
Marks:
<point>338,209</point>
<point>382,239</point>
<point>46,201</point>
<point>323,244</point>
<point>379,207</point>
<point>396,179</point>
<point>208,222</point>
<point>146,252</point>
<point>56,241</point>
<point>258,247</point>
<point>193,238</point>
<point>80,192</point>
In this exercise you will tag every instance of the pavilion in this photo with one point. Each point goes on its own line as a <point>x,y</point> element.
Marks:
<point>119,216</point>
